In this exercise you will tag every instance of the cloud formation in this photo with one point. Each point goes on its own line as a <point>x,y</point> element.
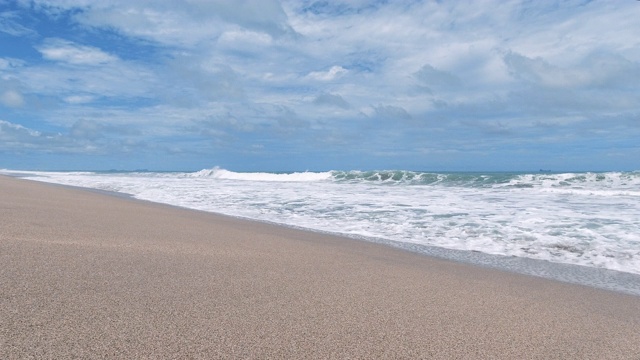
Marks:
<point>417,84</point>
<point>12,99</point>
<point>68,52</point>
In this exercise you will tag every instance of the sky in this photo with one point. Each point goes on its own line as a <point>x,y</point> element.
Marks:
<point>294,85</point>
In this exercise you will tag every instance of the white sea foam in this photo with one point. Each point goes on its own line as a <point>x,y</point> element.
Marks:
<point>590,219</point>
<point>218,173</point>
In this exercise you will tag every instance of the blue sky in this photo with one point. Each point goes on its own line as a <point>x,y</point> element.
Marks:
<point>265,85</point>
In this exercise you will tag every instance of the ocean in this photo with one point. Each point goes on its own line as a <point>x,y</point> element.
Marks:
<point>576,227</point>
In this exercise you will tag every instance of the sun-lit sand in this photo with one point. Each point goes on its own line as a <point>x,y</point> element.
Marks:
<point>88,275</point>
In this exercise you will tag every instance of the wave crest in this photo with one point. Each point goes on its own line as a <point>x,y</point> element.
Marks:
<point>625,181</point>
<point>218,173</point>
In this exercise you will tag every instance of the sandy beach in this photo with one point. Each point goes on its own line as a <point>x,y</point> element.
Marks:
<point>88,275</point>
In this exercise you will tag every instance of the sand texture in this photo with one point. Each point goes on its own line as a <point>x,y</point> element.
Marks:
<point>91,276</point>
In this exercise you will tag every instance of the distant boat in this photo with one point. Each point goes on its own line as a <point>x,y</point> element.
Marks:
<point>542,170</point>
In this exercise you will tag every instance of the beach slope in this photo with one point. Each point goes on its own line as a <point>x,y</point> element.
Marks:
<point>88,275</point>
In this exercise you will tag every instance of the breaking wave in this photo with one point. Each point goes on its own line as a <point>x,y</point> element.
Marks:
<point>587,180</point>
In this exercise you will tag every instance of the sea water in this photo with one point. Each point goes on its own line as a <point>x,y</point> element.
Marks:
<point>506,220</point>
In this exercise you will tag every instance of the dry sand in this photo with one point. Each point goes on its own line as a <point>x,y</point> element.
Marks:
<point>87,275</point>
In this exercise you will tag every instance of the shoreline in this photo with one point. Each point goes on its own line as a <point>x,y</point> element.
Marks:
<point>606,279</point>
<point>90,275</point>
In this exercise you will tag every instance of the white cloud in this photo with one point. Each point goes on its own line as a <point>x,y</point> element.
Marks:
<point>9,129</point>
<point>72,53</point>
<point>80,81</point>
<point>334,73</point>
<point>183,24</point>
<point>9,25</point>
<point>438,79</point>
<point>565,32</point>
<point>594,71</point>
<point>78,99</point>
<point>10,63</point>
<point>83,129</point>
<point>17,138</point>
<point>391,113</point>
<point>244,39</point>
<point>334,100</point>
<point>12,98</point>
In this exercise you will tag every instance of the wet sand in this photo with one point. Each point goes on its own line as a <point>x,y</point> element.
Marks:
<point>88,275</point>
